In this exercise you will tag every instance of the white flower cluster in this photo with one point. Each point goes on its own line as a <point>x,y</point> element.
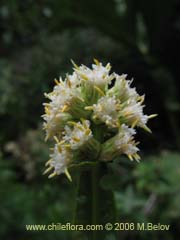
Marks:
<point>85,106</point>
<point>79,135</point>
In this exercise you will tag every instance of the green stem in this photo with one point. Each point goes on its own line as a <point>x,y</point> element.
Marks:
<point>95,200</point>
<point>94,205</point>
<point>76,192</point>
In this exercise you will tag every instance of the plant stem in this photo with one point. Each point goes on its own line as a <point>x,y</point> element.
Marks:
<point>95,200</point>
<point>94,205</point>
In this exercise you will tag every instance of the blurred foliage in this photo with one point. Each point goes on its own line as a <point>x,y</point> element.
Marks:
<point>37,41</point>
<point>147,192</point>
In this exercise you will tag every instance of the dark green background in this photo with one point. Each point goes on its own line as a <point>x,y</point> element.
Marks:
<point>37,40</point>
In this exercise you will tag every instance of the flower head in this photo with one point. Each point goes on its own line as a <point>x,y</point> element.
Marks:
<point>106,110</point>
<point>124,141</point>
<point>79,135</point>
<point>133,114</point>
<point>122,89</point>
<point>55,123</point>
<point>95,81</point>
<point>90,119</point>
<point>97,76</point>
<point>60,160</point>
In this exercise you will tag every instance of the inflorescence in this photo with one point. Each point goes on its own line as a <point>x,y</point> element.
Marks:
<point>84,103</point>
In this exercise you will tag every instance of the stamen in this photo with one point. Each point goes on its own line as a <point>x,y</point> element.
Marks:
<point>74,64</point>
<point>88,131</point>
<point>68,146</point>
<point>108,66</point>
<point>137,143</point>
<point>152,116</point>
<point>76,139</point>
<point>126,113</point>
<point>82,120</point>
<point>48,170</point>
<point>47,104</point>
<point>65,107</point>
<point>68,83</point>
<point>56,81</point>
<point>56,139</point>
<point>99,90</point>
<point>52,175</point>
<point>130,157</point>
<point>80,127</point>
<point>82,100</point>
<point>89,108</point>
<point>48,162</point>
<point>46,138</point>
<point>141,99</point>
<point>137,157</point>
<point>72,123</point>
<point>134,123</point>
<point>68,175</point>
<point>59,148</point>
<point>96,62</point>
<point>84,76</point>
<point>47,110</point>
<point>147,129</point>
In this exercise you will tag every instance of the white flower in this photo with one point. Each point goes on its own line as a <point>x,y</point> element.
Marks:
<point>122,89</point>
<point>60,160</point>
<point>65,98</point>
<point>122,143</point>
<point>79,135</point>
<point>95,81</point>
<point>98,75</point>
<point>106,110</point>
<point>54,123</point>
<point>133,114</point>
<point>73,80</point>
<point>125,141</point>
<point>62,95</point>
